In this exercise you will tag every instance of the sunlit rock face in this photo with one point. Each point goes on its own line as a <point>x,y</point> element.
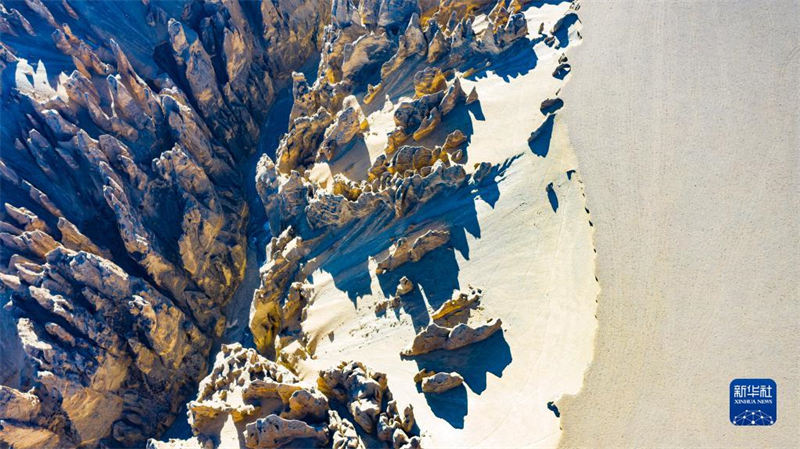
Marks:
<point>130,135</point>
<point>123,222</point>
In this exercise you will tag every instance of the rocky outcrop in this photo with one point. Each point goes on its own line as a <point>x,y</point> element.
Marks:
<point>428,81</point>
<point>550,105</point>
<point>123,215</point>
<point>420,117</point>
<point>245,386</point>
<point>441,382</point>
<point>263,404</point>
<point>385,304</point>
<point>343,433</point>
<point>107,340</point>
<point>404,286</point>
<point>405,251</point>
<point>367,397</point>
<point>35,419</point>
<point>124,212</point>
<point>460,302</point>
<point>271,311</point>
<point>349,122</point>
<point>435,337</point>
<point>274,431</point>
<point>298,148</point>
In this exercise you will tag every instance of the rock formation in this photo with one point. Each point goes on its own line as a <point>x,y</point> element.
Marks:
<point>435,337</point>
<point>460,302</point>
<point>404,286</point>
<point>125,207</point>
<point>441,382</point>
<point>266,406</point>
<point>403,251</point>
<point>366,395</point>
<point>123,221</point>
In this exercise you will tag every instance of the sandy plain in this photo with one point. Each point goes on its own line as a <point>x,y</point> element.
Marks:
<point>684,117</point>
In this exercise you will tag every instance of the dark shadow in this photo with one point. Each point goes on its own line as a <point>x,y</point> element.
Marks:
<point>517,59</point>
<point>550,106</point>
<point>369,440</point>
<point>552,407</point>
<point>414,305</point>
<point>438,285</point>
<point>450,405</point>
<point>562,71</point>
<point>472,362</point>
<point>345,253</point>
<point>539,140</point>
<point>489,191</point>
<point>399,83</point>
<point>458,119</point>
<point>551,196</point>
<point>562,34</point>
<point>354,280</point>
<point>272,131</point>
<point>476,110</point>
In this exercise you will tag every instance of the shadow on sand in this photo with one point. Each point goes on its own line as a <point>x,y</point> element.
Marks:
<point>348,251</point>
<point>473,363</point>
<point>539,140</point>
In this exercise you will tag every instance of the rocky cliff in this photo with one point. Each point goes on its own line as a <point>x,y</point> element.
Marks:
<point>126,131</point>
<point>123,219</point>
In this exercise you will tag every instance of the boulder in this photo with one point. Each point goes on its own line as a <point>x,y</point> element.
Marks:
<point>404,286</point>
<point>441,382</point>
<point>435,337</point>
<point>404,251</point>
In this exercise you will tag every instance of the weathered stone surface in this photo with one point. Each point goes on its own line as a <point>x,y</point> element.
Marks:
<point>459,302</point>
<point>404,286</point>
<point>366,54</point>
<point>428,81</point>
<point>412,43</point>
<point>441,382</point>
<point>124,210</point>
<point>265,403</point>
<point>364,393</point>
<point>123,244</point>
<point>344,13</point>
<point>435,337</point>
<point>344,434</point>
<point>422,374</point>
<point>299,146</point>
<point>384,304</point>
<point>348,123</point>
<point>274,431</point>
<point>394,13</point>
<point>271,311</point>
<point>407,251</point>
<point>454,140</point>
<point>159,341</point>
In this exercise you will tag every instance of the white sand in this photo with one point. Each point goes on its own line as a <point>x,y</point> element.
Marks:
<point>684,116</point>
<point>535,265</point>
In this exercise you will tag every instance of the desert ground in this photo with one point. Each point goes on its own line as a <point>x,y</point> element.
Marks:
<point>684,118</point>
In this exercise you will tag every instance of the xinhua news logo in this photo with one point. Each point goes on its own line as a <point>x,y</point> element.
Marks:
<point>754,402</point>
